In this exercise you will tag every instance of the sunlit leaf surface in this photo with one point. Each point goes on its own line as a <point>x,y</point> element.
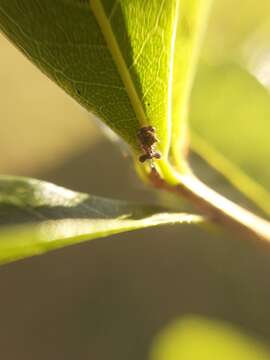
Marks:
<point>112,56</point>
<point>129,62</point>
<point>37,216</point>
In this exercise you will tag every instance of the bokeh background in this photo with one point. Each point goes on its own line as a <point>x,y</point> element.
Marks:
<point>110,298</point>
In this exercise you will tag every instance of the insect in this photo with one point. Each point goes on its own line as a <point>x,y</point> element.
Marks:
<point>148,139</point>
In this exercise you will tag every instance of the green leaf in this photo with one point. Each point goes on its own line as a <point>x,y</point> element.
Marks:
<point>64,40</point>
<point>112,56</point>
<point>232,132</point>
<point>140,36</point>
<point>197,338</point>
<point>130,62</point>
<point>37,216</point>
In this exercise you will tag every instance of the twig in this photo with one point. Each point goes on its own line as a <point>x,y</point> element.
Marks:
<point>216,207</point>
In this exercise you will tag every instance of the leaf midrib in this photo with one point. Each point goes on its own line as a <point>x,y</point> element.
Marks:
<point>106,29</point>
<point>112,43</point>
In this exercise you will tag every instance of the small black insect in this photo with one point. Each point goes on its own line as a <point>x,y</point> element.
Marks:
<point>147,137</point>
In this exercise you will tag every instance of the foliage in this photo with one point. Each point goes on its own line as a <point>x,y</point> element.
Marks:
<point>133,64</point>
<point>43,217</point>
<point>103,57</point>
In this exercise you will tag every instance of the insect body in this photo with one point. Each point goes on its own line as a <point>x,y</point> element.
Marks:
<point>148,139</point>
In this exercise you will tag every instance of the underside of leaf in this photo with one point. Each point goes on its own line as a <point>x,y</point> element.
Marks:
<point>37,216</point>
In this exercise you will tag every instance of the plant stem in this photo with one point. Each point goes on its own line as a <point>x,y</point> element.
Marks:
<point>216,207</point>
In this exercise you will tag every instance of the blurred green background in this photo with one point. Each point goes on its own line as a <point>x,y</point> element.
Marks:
<point>109,299</point>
